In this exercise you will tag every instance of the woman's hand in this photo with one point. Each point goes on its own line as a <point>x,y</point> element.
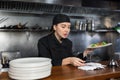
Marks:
<point>74,61</point>
<point>87,51</point>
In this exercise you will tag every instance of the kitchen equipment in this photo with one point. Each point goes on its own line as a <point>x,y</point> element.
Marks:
<point>113,63</point>
<point>20,26</point>
<point>83,26</point>
<point>7,56</point>
<point>77,24</point>
<point>17,26</point>
<point>89,25</point>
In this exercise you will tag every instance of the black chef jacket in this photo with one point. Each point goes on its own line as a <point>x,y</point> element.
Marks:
<point>50,47</point>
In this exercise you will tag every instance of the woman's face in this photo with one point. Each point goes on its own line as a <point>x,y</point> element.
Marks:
<point>62,29</point>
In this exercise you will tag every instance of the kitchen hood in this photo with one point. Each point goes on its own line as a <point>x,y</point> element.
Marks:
<point>56,6</point>
<point>35,6</point>
<point>57,2</point>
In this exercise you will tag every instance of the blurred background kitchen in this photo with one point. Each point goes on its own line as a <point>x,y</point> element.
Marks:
<point>23,22</point>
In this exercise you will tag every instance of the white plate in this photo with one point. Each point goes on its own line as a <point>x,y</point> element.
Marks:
<point>33,70</point>
<point>108,44</point>
<point>30,69</point>
<point>30,62</point>
<point>28,72</point>
<point>30,76</point>
<point>0,68</point>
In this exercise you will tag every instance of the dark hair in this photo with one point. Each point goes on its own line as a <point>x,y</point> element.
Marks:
<point>59,18</point>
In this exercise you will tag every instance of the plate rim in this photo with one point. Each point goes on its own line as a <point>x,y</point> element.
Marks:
<point>21,62</point>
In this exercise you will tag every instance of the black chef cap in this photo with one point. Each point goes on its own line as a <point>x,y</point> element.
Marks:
<point>59,18</point>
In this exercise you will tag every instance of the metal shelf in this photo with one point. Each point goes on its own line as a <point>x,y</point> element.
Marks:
<point>22,30</point>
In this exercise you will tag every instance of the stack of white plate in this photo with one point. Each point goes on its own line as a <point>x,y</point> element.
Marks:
<point>0,67</point>
<point>30,68</point>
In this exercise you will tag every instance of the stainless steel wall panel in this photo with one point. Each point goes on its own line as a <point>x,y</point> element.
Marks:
<point>26,42</point>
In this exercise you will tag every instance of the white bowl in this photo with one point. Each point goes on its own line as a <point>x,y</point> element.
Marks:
<point>30,62</point>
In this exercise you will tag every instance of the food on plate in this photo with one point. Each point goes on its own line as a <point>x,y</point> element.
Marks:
<point>99,44</point>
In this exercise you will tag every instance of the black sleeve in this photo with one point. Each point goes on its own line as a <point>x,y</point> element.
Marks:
<point>57,62</point>
<point>81,56</point>
<point>43,50</point>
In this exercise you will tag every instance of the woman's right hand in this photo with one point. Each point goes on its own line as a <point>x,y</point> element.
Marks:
<point>74,61</point>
